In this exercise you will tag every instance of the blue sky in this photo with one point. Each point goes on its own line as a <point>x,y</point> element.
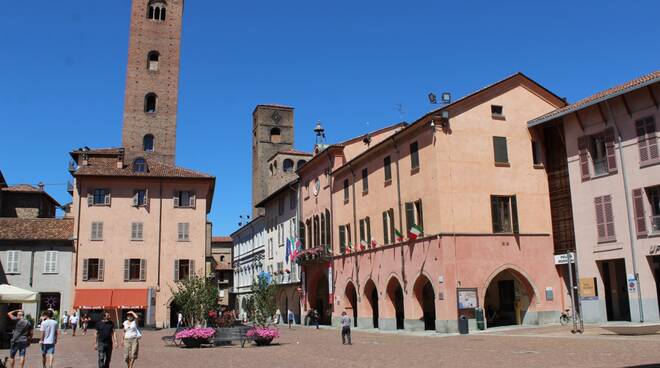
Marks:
<point>345,63</point>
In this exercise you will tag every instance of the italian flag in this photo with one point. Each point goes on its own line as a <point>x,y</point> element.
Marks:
<point>414,232</point>
<point>374,244</point>
<point>399,236</point>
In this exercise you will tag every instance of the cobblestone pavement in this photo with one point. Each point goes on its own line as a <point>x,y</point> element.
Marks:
<point>304,347</point>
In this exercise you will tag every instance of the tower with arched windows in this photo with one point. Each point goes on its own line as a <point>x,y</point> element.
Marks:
<point>272,132</point>
<point>152,79</point>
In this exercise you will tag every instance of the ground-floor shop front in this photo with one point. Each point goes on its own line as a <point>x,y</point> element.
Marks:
<point>118,302</point>
<point>430,283</point>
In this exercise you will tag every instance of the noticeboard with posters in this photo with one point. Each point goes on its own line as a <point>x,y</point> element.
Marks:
<point>467,301</point>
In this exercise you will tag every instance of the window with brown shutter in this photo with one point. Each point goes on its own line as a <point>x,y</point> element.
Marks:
<point>604,219</point>
<point>583,150</point>
<point>647,141</point>
<point>610,151</point>
<point>638,207</point>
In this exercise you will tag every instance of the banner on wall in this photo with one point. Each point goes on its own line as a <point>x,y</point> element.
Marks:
<point>330,290</point>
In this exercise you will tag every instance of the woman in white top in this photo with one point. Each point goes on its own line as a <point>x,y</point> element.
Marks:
<point>131,338</point>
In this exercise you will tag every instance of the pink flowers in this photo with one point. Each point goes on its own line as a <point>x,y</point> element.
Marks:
<point>263,332</point>
<point>196,333</point>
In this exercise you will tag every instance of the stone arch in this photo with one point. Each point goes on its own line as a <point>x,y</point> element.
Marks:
<point>424,309</point>
<point>351,301</point>
<point>395,302</point>
<point>524,276</point>
<point>508,296</point>
<point>371,302</point>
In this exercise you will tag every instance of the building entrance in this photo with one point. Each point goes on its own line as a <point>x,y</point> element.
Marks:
<point>617,303</point>
<point>508,298</point>
<point>395,294</point>
<point>654,262</point>
<point>371,293</point>
<point>351,297</point>
<point>425,296</point>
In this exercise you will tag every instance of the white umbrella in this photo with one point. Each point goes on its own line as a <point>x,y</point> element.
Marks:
<point>13,294</point>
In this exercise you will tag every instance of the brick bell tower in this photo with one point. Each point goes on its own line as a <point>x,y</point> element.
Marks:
<point>152,79</point>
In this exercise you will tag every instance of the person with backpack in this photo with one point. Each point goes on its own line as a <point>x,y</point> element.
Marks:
<point>20,338</point>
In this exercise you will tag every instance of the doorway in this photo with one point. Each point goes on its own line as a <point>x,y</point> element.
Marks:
<point>425,296</point>
<point>617,304</point>
<point>351,296</point>
<point>508,298</point>
<point>371,293</point>
<point>395,293</point>
<point>322,303</point>
<point>654,262</point>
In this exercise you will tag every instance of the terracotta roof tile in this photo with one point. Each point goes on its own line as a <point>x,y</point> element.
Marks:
<point>595,98</point>
<point>99,166</point>
<point>221,239</point>
<point>36,229</point>
<point>21,188</point>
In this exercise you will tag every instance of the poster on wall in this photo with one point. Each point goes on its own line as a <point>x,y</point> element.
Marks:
<point>330,291</point>
<point>467,298</point>
<point>588,289</point>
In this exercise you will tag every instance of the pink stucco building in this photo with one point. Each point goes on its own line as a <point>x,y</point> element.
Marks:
<point>605,149</point>
<point>467,177</point>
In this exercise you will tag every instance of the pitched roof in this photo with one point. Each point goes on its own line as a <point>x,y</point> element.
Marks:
<point>221,239</point>
<point>620,89</point>
<point>36,228</point>
<point>108,167</point>
<point>27,188</point>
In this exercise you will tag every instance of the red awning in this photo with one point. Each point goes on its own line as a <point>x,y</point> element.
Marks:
<point>129,298</point>
<point>93,298</point>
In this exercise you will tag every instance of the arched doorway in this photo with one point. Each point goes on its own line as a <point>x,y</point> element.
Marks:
<point>508,297</point>
<point>425,296</point>
<point>321,303</point>
<point>395,294</point>
<point>351,299</point>
<point>174,314</point>
<point>371,294</point>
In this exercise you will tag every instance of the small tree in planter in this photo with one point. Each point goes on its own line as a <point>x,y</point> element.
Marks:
<point>196,296</point>
<point>263,308</point>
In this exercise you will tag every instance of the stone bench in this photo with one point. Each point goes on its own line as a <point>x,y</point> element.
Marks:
<point>230,334</point>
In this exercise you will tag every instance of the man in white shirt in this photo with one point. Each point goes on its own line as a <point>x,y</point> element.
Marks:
<point>131,339</point>
<point>48,338</point>
<point>65,322</point>
<point>179,320</point>
<point>73,322</point>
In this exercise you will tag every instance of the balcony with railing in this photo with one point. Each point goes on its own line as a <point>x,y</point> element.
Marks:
<point>314,255</point>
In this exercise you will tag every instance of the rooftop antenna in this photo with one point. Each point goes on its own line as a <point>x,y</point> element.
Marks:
<point>399,108</point>
<point>320,133</point>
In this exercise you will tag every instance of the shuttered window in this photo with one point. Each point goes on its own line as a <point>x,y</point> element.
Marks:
<point>654,201</point>
<point>135,269</point>
<point>414,156</point>
<point>98,197</point>
<point>365,180</point>
<point>604,218</point>
<point>184,199</point>
<point>410,215</point>
<point>140,197</point>
<point>386,228</point>
<point>504,212</point>
<point>647,141</point>
<point>97,231</point>
<point>50,261</point>
<point>13,261</point>
<point>93,269</point>
<point>136,230</point>
<point>342,239</point>
<point>346,191</point>
<point>583,152</point>
<point>387,168</point>
<point>183,233</point>
<point>183,269</point>
<point>500,150</point>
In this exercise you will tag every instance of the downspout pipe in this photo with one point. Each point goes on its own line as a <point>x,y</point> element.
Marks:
<point>633,238</point>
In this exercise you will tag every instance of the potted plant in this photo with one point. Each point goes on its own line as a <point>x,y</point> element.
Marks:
<point>195,337</point>
<point>263,308</point>
<point>263,335</point>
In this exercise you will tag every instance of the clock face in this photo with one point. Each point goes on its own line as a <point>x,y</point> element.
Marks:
<point>317,187</point>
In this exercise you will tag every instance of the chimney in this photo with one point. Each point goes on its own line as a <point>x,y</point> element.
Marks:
<point>41,186</point>
<point>120,159</point>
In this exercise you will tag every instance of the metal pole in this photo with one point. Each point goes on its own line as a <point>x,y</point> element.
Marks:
<point>570,280</point>
<point>629,211</point>
<point>577,293</point>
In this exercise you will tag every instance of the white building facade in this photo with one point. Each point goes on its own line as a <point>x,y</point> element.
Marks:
<point>248,261</point>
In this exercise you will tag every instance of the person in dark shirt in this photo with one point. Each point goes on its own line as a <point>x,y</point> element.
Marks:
<point>20,338</point>
<point>105,340</point>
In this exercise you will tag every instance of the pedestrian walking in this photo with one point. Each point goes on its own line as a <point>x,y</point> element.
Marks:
<point>290,317</point>
<point>48,338</point>
<point>20,337</point>
<point>86,319</point>
<point>65,322</point>
<point>73,322</point>
<point>345,328</point>
<point>179,320</point>
<point>317,317</point>
<point>278,316</point>
<point>105,339</point>
<point>131,340</point>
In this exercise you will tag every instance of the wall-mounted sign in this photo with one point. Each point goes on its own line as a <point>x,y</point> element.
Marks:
<point>588,289</point>
<point>561,259</point>
<point>632,283</point>
<point>549,294</point>
<point>467,300</point>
